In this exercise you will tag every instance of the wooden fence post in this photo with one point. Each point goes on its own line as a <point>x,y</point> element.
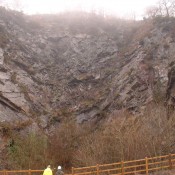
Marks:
<point>29,171</point>
<point>97,169</point>
<point>146,165</point>
<point>72,170</point>
<point>170,162</point>
<point>122,168</point>
<point>4,172</point>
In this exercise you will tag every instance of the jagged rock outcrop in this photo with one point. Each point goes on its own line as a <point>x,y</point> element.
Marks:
<point>52,67</point>
<point>170,93</point>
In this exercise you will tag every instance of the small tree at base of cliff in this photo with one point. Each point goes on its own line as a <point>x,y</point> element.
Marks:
<point>28,152</point>
<point>65,141</point>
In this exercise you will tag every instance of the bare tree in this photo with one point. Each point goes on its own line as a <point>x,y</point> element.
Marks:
<point>166,7</point>
<point>12,4</point>
<point>163,8</point>
<point>152,11</point>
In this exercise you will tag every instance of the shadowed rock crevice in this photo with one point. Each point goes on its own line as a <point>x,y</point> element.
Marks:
<point>9,104</point>
<point>170,92</point>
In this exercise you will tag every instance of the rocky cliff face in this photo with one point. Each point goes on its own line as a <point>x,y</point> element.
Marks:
<point>79,66</point>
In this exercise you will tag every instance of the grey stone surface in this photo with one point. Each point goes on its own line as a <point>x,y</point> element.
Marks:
<point>51,68</point>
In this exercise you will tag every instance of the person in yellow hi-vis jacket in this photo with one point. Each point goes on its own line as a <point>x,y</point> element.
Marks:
<point>48,171</point>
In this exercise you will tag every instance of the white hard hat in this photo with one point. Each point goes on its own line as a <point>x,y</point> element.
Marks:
<point>59,167</point>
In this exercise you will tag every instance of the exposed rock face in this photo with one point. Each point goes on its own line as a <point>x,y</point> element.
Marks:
<point>171,87</point>
<point>51,67</point>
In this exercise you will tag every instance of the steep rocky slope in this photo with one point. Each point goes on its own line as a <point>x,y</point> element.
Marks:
<point>80,66</point>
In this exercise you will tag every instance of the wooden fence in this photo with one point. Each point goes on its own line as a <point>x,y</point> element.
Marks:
<point>141,166</point>
<point>21,172</point>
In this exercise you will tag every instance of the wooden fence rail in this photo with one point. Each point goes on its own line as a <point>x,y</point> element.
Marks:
<point>141,166</point>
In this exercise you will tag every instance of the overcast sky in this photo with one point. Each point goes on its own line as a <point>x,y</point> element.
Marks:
<point>119,7</point>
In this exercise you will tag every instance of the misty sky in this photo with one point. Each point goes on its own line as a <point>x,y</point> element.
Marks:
<point>117,7</point>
